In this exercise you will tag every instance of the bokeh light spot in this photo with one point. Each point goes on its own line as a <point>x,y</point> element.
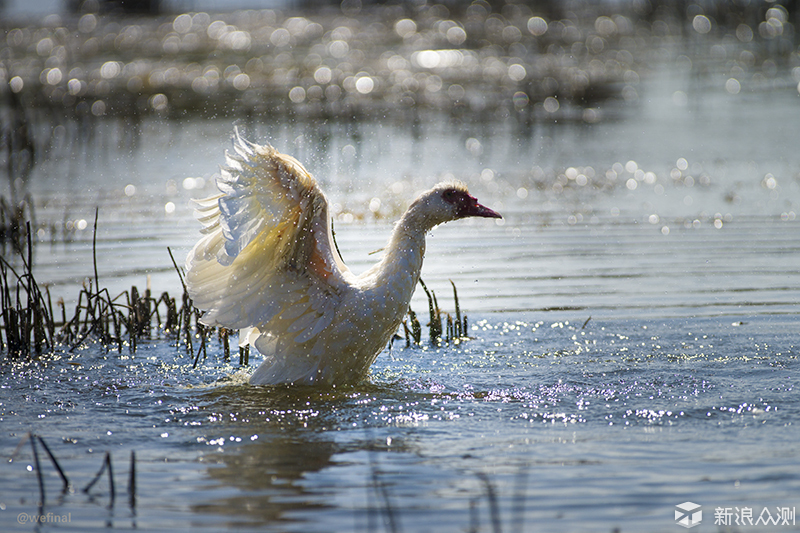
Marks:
<point>701,24</point>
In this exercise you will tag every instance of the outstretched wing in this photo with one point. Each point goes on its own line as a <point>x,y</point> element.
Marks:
<point>267,256</point>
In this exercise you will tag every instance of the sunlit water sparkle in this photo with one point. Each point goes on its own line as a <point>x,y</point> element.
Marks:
<point>567,422</point>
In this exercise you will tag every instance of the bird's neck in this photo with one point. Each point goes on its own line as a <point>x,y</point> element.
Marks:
<point>402,261</point>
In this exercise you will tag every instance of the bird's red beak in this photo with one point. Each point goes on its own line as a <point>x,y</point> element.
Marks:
<point>472,208</point>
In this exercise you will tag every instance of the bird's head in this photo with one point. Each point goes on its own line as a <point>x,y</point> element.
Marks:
<point>450,201</point>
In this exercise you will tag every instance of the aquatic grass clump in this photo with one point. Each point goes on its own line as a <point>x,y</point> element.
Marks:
<point>456,328</point>
<point>111,322</point>
<point>27,313</point>
<point>29,328</point>
<point>139,316</point>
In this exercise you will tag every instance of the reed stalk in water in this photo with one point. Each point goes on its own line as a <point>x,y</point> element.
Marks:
<point>106,466</point>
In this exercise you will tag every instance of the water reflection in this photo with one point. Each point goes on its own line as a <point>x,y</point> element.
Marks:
<point>265,475</point>
<point>266,443</point>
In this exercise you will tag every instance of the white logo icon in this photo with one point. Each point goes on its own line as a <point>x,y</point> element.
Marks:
<point>688,514</point>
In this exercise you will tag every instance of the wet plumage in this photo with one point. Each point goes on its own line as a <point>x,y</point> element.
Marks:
<point>267,266</point>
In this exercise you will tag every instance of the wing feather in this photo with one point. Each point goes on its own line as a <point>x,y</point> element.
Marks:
<point>295,311</point>
<point>303,323</point>
<point>266,258</point>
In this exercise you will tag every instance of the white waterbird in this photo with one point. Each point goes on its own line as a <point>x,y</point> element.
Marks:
<point>268,267</point>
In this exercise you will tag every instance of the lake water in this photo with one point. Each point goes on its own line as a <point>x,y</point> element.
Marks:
<point>634,323</point>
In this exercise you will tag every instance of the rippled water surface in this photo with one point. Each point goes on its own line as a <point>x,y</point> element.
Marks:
<point>633,324</point>
<point>566,426</point>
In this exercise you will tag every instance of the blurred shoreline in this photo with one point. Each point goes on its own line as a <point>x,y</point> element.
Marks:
<point>571,61</point>
<point>75,85</point>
